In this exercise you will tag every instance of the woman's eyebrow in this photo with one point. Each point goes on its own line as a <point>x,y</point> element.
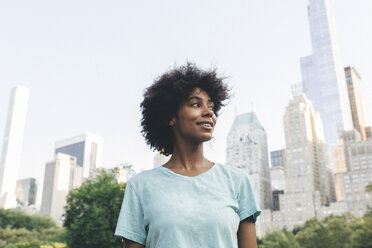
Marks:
<point>193,97</point>
<point>198,98</point>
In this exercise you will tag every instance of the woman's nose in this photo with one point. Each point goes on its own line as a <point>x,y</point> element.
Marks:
<point>208,112</point>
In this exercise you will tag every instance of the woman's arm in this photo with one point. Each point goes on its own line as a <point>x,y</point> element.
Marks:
<point>131,244</point>
<point>247,234</point>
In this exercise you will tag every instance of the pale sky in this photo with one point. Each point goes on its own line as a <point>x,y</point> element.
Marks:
<point>87,63</point>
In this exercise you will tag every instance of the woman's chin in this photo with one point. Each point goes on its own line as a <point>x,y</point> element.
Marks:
<point>207,138</point>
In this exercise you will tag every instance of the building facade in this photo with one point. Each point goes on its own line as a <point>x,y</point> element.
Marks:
<point>323,75</point>
<point>341,159</point>
<point>277,176</point>
<point>61,176</point>
<point>355,99</point>
<point>308,170</point>
<point>87,149</point>
<point>309,189</point>
<point>355,175</point>
<point>26,192</point>
<point>277,158</point>
<point>12,146</point>
<point>247,150</point>
<point>307,155</point>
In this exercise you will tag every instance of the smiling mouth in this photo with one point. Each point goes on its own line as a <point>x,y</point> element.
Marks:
<point>205,125</point>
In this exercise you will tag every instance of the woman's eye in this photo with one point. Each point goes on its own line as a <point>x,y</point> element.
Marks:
<point>195,104</point>
<point>212,108</point>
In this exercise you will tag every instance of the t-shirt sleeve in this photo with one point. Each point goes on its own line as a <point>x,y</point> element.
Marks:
<point>246,199</point>
<point>131,224</point>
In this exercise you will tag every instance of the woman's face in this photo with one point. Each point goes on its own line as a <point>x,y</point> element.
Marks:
<point>196,120</point>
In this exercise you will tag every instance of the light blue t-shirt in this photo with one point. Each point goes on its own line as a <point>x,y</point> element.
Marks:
<point>162,209</point>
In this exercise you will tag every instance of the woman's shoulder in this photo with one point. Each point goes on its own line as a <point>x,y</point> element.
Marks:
<point>143,177</point>
<point>234,173</point>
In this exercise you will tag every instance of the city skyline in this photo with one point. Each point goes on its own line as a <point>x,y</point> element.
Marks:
<point>323,76</point>
<point>78,83</point>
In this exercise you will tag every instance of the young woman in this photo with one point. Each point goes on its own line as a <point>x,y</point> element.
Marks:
<point>189,202</point>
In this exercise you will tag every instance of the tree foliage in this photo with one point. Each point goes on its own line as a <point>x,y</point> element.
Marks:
<point>14,236</point>
<point>92,212</point>
<point>18,229</point>
<point>362,235</point>
<point>339,230</point>
<point>279,239</point>
<point>16,219</point>
<point>34,244</point>
<point>343,231</point>
<point>369,187</point>
<point>333,232</point>
<point>313,234</point>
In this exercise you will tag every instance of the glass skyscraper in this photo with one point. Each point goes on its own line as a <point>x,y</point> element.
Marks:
<point>12,146</point>
<point>323,74</point>
<point>87,149</point>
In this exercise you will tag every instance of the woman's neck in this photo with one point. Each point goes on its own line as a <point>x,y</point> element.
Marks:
<point>188,157</point>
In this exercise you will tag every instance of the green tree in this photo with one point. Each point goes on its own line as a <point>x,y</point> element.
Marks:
<point>57,235</point>
<point>92,212</point>
<point>15,236</point>
<point>369,187</point>
<point>16,219</point>
<point>362,234</point>
<point>314,234</point>
<point>296,229</point>
<point>19,229</point>
<point>12,236</point>
<point>279,239</point>
<point>339,230</point>
<point>368,213</point>
<point>32,244</point>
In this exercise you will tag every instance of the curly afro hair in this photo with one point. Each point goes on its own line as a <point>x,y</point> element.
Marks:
<point>163,98</point>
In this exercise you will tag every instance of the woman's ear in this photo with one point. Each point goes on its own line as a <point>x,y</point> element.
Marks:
<point>172,122</point>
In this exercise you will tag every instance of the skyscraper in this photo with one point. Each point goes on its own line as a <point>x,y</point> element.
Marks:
<point>359,174</point>
<point>87,149</point>
<point>308,176</point>
<point>355,99</point>
<point>323,75</point>
<point>341,159</point>
<point>61,175</point>
<point>309,182</point>
<point>12,146</point>
<point>247,149</point>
